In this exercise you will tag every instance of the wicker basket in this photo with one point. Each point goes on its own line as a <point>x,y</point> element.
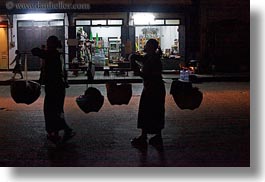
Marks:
<point>186,96</point>
<point>91,101</point>
<point>26,92</point>
<point>119,94</point>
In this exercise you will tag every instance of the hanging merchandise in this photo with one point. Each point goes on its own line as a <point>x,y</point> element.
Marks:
<point>119,94</point>
<point>90,71</point>
<point>91,64</point>
<point>91,101</point>
<point>96,42</point>
<point>91,36</point>
<point>25,91</point>
<point>186,96</point>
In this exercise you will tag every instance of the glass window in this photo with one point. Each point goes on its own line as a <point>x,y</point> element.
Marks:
<point>25,24</point>
<point>105,38</point>
<point>106,32</point>
<point>114,22</point>
<point>143,18</point>
<point>40,23</point>
<point>173,22</point>
<point>83,22</point>
<point>99,22</point>
<point>167,36</point>
<point>158,22</point>
<point>56,23</point>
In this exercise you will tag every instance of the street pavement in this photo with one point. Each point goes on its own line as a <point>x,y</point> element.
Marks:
<point>215,134</point>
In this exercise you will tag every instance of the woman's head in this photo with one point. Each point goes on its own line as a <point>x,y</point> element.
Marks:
<point>53,42</point>
<point>151,46</point>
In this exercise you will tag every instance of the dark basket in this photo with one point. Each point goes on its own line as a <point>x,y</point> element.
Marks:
<point>189,99</point>
<point>186,96</point>
<point>179,86</point>
<point>91,101</point>
<point>119,94</point>
<point>25,92</point>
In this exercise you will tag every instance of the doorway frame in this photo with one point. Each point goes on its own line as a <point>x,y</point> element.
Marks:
<point>7,27</point>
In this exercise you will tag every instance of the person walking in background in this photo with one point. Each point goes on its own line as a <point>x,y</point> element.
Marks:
<point>151,114</point>
<point>17,68</point>
<point>55,84</point>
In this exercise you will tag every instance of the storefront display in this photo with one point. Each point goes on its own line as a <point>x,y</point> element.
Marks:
<point>167,36</point>
<point>114,49</point>
<point>105,42</point>
<point>165,30</point>
<point>99,44</point>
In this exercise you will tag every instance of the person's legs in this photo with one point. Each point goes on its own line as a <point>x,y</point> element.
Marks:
<point>54,137</point>
<point>156,140</point>
<point>54,115</point>
<point>144,134</point>
<point>68,132</point>
<point>52,133</point>
<point>21,76</point>
<point>141,140</point>
<point>14,75</point>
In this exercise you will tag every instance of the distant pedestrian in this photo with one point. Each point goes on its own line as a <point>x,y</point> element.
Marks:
<point>55,84</point>
<point>17,68</point>
<point>151,114</point>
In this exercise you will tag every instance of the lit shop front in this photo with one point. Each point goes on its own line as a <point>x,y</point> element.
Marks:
<point>166,31</point>
<point>99,41</point>
<point>108,41</point>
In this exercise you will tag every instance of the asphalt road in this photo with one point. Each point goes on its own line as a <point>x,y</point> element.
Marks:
<point>215,134</point>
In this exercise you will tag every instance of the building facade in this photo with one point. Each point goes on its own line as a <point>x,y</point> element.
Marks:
<point>212,32</point>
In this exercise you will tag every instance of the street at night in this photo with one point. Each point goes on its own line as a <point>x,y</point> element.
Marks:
<point>215,134</point>
<point>129,83</point>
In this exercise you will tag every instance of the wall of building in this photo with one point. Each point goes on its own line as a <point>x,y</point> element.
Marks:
<point>224,35</point>
<point>13,32</point>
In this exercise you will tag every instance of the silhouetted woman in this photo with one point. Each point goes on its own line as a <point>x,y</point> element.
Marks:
<point>17,68</point>
<point>151,114</point>
<point>55,84</point>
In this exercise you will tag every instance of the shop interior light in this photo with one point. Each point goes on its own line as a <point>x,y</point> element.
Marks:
<point>143,18</point>
<point>38,16</point>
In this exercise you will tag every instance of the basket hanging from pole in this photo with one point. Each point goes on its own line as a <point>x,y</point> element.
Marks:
<point>119,94</point>
<point>186,96</point>
<point>91,101</point>
<point>24,91</point>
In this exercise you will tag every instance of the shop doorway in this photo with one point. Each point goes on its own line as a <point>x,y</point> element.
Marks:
<point>106,37</point>
<point>4,46</point>
<point>34,34</point>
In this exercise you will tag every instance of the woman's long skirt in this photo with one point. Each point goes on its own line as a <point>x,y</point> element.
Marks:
<point>54,109</point>
<point>151,114</point>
